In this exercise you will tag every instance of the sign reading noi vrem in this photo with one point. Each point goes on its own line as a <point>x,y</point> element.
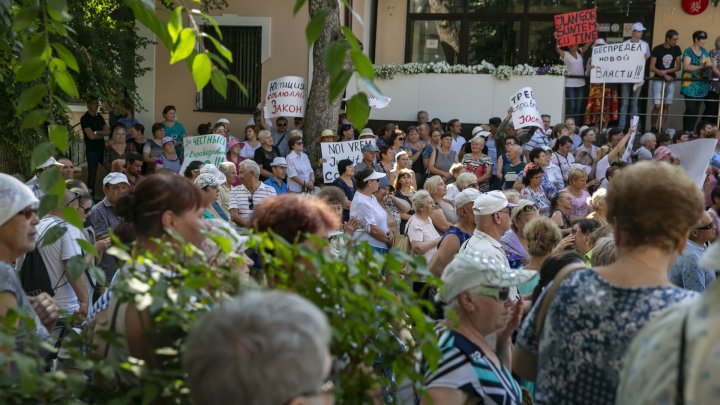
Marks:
<point>618,63</point>
<point>576,28</point>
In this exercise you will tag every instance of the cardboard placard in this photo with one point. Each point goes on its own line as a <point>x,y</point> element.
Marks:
<point>205,148</point>
<point>378,102</point>
<point>334,152</point>
<point>618,63</point>
<point>576,28</point>
<point>285,97</point>
<point>694,157</point>
<point>525,112</point>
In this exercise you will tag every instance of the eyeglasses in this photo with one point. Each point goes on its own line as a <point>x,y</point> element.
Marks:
<point>86,210</point>
<point>705,227</point>
<point>501,294</point>
<point>281,125</point>
<point>298,143</point>
<point>250,202</point>
<point>28,212</point>
<point>77,197</point>
<point>529,208</point>
<point>401,139</point>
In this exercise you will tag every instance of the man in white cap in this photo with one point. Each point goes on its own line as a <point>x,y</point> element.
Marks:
<point>34,183</point>
<point>630,92</point>
<point>277,180</point>
<point>103,217</point>
<point>18,219</point>
<point>492,220</point>
<point>71,295</point>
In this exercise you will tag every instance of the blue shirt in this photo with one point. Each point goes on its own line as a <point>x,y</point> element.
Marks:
<point>279,188</point>
<point>687,273</point>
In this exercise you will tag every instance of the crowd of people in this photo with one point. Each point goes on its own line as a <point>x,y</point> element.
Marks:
<point>554,250</point>
<point>697,67</point>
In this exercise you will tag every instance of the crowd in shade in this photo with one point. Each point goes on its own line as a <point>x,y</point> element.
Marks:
<point>571,272</point>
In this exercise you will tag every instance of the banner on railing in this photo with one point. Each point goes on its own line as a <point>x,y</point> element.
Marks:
<point>576,28</point>
<point>525,112</point>
<point>618,63</point>
<point>334,152</point>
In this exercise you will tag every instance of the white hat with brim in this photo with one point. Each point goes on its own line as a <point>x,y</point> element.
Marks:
<point>366,133</point>
<point>638,26</point>
<point>491,202</point>
<point>472,269</point>
<point>50,162</point>
<point>374,176</point>
<point>14,197</point>
<point>223,121</point>
<point>209,168</point>
<point>479,131</point>
<point>466,196</point>
<point>279,161</point>
<point>115,178</point>
<point>208,180</point>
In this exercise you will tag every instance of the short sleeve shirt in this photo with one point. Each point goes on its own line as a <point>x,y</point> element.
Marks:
<point>588,329</point>
<point>666,57</point>
<point>96,123</point>
<point>245,202</point>
<point>176,132</point>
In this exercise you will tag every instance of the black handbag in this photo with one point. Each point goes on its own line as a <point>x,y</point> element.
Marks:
<point>34,276</point>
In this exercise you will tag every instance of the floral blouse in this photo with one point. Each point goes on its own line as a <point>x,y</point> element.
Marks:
<point>588,329</point>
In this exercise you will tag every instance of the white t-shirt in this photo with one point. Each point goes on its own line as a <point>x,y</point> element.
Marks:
<point>368,212</point>
<point>575,68</point>
<point>56,255</point>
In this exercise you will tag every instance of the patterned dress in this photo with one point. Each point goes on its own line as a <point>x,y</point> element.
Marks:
<point>589,326</point>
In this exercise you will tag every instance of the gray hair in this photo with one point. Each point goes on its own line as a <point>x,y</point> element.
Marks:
<point>432,184</point>
<point>226,166</point>
<point>250,166</point>
<point>418,200</point>
<point>604,252</point>
<point>264,133</point>
<point>464,180</point>
<point>282,335</point>
<point>512,195</point>
<point>426,126</point>
<point>646,137</point>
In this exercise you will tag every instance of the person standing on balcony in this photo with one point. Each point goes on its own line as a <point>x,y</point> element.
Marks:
<point>174,129</point>
<point>94,130</point>
<point>574,86</point>
<point>664,62</point>
<point>630,92</point>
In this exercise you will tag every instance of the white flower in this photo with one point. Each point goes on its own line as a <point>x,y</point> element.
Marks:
<point>502,72</point>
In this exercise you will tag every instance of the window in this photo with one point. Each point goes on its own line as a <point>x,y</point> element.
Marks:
<point>506,32</point>
<point>245,43</point>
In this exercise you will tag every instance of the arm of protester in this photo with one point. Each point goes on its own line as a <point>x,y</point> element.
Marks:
<point>439,220</point>
<point>486,176</point>
<point>434,170</point>
<point>447,249</point>
<point>46,309</point>
<point>401,204</point>
<point>235,217</point>
<point>689,67</point>
<point>504,335</point>
<point>78,285</point>
<point>620,148</point>
<point>146,153</point>
<point>558,50</point>
<point>655,70</point>
<point>586,46</point>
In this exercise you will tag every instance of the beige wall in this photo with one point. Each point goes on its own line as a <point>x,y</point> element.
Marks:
<point>288,56</point>
<point>390,38</point>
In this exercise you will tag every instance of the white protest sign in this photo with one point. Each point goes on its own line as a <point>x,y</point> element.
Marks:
<point>205,148</point>
<point>627,155</point>
<point>285,97</point>
<point>694,157</point>
<point>334,152</point>
<point>525,112</point>
<point>378,102</point>
<point>618,63</point>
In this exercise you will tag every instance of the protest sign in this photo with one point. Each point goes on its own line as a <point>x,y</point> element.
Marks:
<point>378,102</point>
<point>627,155</point>
<point>333,152</point>
<point>205,148</point>
<point>694,157</point>
<point>285,97</point>
<point>618,63</point>
<point>576,28</point>
<point>525,112</point>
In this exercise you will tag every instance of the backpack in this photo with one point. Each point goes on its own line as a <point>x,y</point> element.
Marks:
<point>33,273</point>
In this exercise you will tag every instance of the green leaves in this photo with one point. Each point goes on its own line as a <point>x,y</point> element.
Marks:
<point>58,68</point>
<point>201,70</point>
<point>66,56</point>
<point>358,110</point>
<point>59,137</point>
<point>219,82</point>
<point>174,25</point>
<point>34,119</point>
<point>75,267</point>
<point>315,27</point>
<point>30,98</point>
<point>185,46</point>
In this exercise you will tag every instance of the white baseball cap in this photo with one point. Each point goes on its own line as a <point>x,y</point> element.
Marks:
<point>638,26</point>
<point>115,178</point>
<point>491,202</point>
<point>466,196</point>
<point>374,176</point>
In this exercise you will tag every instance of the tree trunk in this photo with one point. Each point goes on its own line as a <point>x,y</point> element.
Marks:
<point>320,112</point>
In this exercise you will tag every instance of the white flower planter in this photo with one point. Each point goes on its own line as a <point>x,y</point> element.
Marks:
<point>472,98</point>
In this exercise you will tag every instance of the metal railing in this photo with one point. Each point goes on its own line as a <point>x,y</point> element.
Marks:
<point>663,114</point>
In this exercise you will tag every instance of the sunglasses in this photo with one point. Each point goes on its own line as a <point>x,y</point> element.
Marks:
<point>282,125</point>
<point>401,139</point>
<point>28,212</point>
<point>250,202</point>
<point>704,228</point>
<point>501,294</point>
<point>529,208</point>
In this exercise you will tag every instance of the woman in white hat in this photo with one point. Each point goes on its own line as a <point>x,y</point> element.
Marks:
<point>368,212</point>
<point>210,183</point>
<point>477,288</point>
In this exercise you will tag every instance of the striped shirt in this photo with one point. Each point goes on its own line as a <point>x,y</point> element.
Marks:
<point>538,140</point>
<point>464,366</point>
<point>245,202</point>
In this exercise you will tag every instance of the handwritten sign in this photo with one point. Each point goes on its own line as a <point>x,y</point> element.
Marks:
<point>378,102</point>
<point>627,155</point>
<point>334,152</point>
<point>285,97</point>
<point>576,28</point>
<point>525,112</point>
<point>618,63</point>
<point>205,148</point>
